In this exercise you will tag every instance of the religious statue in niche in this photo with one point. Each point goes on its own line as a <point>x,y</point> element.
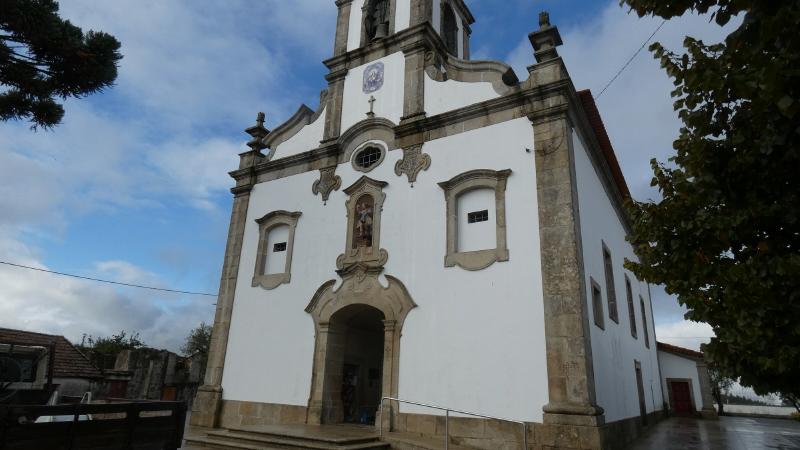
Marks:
<point>362,233</point>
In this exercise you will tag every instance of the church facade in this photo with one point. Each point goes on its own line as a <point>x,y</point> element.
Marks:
<point>439,230</point>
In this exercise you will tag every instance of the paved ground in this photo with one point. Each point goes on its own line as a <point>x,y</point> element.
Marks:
<point>729,433</point>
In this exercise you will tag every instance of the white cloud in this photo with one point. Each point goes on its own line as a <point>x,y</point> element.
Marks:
<point>685,334</point>
<point>71,307</point>
<point>637,108</point>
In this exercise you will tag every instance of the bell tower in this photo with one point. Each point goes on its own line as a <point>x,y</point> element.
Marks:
<point>362,23</point>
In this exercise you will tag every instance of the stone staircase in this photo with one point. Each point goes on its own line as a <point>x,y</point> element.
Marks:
<point>293,437</point>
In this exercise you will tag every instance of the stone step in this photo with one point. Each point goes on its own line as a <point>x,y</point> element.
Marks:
<point>322,435</point>
<point>239,440</point>
<point>410,441</point>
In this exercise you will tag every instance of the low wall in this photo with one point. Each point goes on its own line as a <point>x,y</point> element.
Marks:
<point>760,411</point>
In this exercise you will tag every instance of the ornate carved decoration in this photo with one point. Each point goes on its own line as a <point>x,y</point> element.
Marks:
<point>328,182</point>
<point>362,251</point>
<point>413,162</point>
<point>467,181</point>
<point>274,279</point>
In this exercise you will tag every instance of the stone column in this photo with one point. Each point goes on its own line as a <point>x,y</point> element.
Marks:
<point>389,383</point>
<point>207,404</point>
<point>421,12</point>
<point>315,403</point>
<point>708,411</point>
<point>333,111</point>
<point>342,27</point>
<point>414,88</point>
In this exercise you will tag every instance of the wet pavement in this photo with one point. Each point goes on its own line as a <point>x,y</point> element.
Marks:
<point>728,433</point>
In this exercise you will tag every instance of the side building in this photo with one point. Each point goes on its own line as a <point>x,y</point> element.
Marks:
<point>439,231</point>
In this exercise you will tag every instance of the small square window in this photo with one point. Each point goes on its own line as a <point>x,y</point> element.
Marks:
<point>279,247</point>
<point>478,216</point>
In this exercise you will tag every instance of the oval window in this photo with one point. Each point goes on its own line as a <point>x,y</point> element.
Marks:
<point>368,157</point>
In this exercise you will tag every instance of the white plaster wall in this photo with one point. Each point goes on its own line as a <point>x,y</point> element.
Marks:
<point>354,32</point>
<point>446,96</point>
<point>674,366</point>
<point>402,15</point>
<point>388,100</point>
<point>479,235</point>
<point>306,139</point>
<point>276,261</point>
<point>476,342</point>
<point>437,15</point>
<point>614,350</point>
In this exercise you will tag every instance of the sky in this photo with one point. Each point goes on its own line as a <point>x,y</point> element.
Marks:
<point>133,185</point>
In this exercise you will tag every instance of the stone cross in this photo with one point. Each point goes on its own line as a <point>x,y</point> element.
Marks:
<point>371,112</point>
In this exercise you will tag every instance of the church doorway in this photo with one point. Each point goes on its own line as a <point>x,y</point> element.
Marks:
<point>354,366</point>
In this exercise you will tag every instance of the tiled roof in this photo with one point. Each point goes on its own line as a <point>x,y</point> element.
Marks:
<point>680,351</point>
<point>590,107</point>
<point>69,361</point>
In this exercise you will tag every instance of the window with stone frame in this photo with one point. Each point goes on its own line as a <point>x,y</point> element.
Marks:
<point>631,308</point>
<point>276,232</point>
<point>597,304</point>
<point>644,323</point>
<point>450,29</point>
<point>476,218</point>
<point>611,292</point>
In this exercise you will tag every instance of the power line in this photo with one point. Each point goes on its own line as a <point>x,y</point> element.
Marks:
<point>139,286</point>
<point>630,60</point>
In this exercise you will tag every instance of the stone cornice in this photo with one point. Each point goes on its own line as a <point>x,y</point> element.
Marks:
<point>423,34</point>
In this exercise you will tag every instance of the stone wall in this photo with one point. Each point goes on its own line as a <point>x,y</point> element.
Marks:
<point>235,414</point>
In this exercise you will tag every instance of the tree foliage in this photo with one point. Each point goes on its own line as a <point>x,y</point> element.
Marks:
<point>43,57</point>
<point>725,238</point>
<point>111,345</point>
<point>198,340</point>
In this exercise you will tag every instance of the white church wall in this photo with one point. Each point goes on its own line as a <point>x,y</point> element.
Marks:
<point>306,139</point>
<point>354,30</point>
<point>437,16</point>
<point>388,100</point>
<point>271,341</point>
<point>674,366</point>
<point>402,15</point>
<point>614,350</point>
<point>476,342</point>
<point>446,96</point>
<point>479,235</point>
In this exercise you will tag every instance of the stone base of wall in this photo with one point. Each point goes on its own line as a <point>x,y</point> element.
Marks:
<point>617,435</point>
<point>235,414</point>
<point>490,434</point>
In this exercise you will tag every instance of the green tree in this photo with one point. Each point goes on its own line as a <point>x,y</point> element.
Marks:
<point>720,385</point>
<point>43,57</point>
<point>111,345</point>
<point>198,340</point>
<point>197,344</point>
<point>725,237</point>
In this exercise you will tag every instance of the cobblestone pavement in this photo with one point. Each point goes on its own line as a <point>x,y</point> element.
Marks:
<point>728,433</point>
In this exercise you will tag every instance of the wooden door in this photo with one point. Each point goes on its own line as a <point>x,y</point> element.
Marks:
<point>640,390</point>
<point>681,398</point>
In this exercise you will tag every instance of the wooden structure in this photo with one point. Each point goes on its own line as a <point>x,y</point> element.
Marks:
<point>122,426</point>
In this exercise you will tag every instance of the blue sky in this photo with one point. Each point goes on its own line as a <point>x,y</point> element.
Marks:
<point>133,185</point>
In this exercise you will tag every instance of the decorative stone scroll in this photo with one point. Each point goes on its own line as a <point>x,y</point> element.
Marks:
<point>413,162</point>
<point>328,182</point>
<point>363,252</point>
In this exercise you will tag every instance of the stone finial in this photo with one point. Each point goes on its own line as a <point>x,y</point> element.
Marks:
<point>258,132</point>
<point>545,39</point>
<point>544,19</point>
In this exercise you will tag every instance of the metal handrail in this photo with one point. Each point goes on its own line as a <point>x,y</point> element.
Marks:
<point>447,419</point>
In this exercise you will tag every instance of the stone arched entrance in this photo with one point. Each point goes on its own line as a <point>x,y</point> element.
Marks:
<point>361,309</point>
